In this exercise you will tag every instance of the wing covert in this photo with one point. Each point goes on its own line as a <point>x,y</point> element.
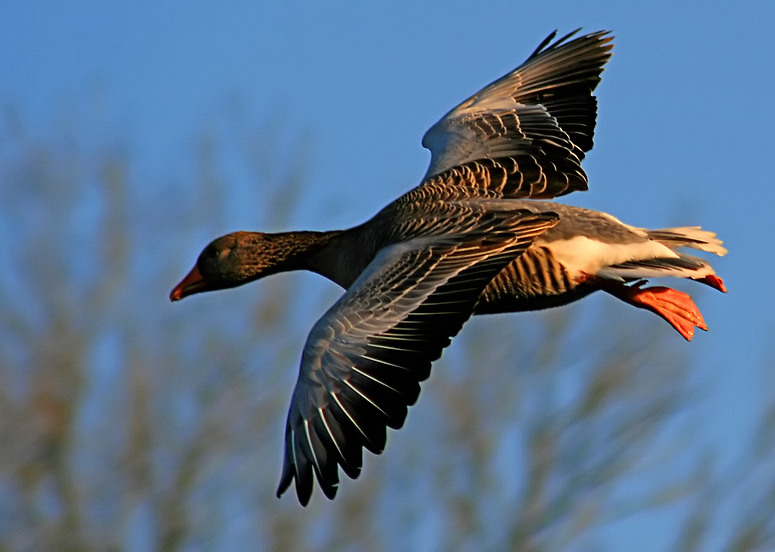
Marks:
<point>530,128</point>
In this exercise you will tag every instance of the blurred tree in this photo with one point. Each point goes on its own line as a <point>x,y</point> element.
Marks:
<point>734,506</point>
<point>128,424</point>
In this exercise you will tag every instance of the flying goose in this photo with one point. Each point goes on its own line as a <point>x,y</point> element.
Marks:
<point>472,238</point>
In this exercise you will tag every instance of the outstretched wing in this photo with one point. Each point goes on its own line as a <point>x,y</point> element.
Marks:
<point>525,134</point>
<point>364,359</point>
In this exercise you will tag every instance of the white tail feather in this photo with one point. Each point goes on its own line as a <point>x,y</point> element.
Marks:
<point>689,236</point>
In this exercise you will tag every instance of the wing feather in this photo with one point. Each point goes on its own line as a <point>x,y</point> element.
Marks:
<point>365,358</point>
<point>525,134</point>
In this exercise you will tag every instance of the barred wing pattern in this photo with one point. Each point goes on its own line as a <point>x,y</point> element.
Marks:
<point>364,359</point>
<point>525,134</point>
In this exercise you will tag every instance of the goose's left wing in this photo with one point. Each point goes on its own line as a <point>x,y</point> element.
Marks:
<point>525,134</point>
<point>364,359</point>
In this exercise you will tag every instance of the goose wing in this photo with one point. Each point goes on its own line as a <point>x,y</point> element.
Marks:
<point>364,359</point>
<point>525,134</point>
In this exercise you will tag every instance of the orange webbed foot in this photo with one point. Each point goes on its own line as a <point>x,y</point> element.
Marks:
<point>676,307</point>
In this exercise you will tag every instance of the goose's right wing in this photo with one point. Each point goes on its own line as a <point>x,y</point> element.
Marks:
<point>525,134</point>
<point>364,359</point>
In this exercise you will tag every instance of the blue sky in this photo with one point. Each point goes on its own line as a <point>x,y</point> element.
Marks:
<point>684,131</point>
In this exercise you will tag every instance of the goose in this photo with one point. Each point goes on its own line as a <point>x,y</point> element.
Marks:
<point>476,236</point>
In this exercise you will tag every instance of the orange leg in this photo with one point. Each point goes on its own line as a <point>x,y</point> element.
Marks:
<point>676,307</point>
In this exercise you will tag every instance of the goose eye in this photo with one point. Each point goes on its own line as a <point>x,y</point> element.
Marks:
<point>209,254</point>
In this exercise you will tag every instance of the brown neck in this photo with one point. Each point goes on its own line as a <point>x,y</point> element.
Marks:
<point>296,250</point>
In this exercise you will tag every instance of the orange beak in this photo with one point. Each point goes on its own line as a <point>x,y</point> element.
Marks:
<point>192,283</point>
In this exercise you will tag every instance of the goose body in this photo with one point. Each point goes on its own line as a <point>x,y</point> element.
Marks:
<point>475,237</point>
<point>589,251</point>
